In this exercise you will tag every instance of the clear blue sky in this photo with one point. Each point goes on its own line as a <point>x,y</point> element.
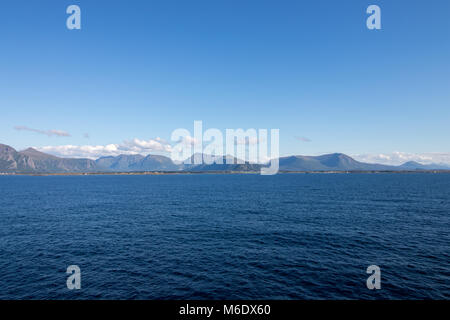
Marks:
<point>140,69</point>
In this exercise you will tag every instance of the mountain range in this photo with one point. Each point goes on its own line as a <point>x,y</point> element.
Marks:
<point>33,161</point>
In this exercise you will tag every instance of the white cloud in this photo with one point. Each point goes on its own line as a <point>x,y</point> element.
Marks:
<point>397,158</point>
<point>135,146</point>
<point>142,146</point>
<point>50,133</point>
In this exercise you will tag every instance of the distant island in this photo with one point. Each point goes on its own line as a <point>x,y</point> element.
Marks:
<point>32,161</point>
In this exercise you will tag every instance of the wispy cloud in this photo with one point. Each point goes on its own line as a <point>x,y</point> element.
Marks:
<point>50,133</point>
<point>303,139</point>
<point>134,146</point>
<point>396,158</point>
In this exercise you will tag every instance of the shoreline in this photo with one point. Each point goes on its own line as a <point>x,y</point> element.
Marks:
<point>141,173</point>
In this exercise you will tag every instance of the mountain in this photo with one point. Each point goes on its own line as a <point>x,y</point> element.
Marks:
<point>155,163</point>
<point>328,162</point>
<point>129,163</point>
<point>12,161</point>
<point>119,163</point>
<point>220,163</point>
<point>33,161</point>
<point>342,162</point>
<point>413,165</point>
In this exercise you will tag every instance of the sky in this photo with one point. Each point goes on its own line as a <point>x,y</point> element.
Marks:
<point>138,70</point>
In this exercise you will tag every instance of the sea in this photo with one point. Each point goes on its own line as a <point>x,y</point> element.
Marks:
<point>226,236</point>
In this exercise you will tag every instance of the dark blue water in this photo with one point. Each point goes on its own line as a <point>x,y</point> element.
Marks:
<point>292,236</point>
